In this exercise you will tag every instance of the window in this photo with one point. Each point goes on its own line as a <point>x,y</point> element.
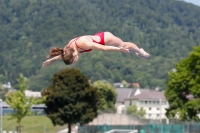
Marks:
<point>158,114</point>
<point>123,111</point>
<point>158,108</point>
<point>130,103</point>
<point>145,102</point>
<point>150,108</point>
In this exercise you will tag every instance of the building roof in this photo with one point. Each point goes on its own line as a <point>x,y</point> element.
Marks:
<point>144,90</point>
<point>124,93</point>
<point>150,94</point>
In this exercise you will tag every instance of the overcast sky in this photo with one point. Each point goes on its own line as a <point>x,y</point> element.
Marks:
<point>196,2</point>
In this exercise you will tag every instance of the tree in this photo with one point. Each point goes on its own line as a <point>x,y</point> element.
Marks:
<point>107,95</point>
<point>70,99</point>
<point>185,82</point>
<point>133,111</point>
<point>20,103</point>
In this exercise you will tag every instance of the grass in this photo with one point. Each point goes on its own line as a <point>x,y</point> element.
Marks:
<point>32,124</point>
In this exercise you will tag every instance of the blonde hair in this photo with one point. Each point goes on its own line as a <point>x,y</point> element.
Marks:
<point>67,55</point>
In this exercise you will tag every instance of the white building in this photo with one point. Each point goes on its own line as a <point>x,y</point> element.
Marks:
<point>154,102</point>
<point>34,94</point>
<point>118,85</point>
<point>122,94</point>
<point>7,85</point>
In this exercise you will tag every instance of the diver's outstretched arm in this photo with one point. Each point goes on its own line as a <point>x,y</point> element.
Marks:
<point>49,61</point>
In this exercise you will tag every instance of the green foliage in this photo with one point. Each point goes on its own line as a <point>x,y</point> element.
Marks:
<point>165,29</point>
<point>70,98</point>
<point>2,79</point>
<point>3,91</point>
<point>20,103</point>
<point>184,83</point>
<point>22,83</point>
<point>134,111</point>
<point>107,95</point>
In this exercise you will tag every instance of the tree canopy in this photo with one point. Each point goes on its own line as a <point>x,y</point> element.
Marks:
<point>183,90</point>
<point>71,99</point>
<point>134,111</point>
<point>107,95</point>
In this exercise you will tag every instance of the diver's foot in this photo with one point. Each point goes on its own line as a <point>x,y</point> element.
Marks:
<point>144,54</point>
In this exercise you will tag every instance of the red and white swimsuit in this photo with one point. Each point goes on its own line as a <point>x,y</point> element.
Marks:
<point>100,34</point>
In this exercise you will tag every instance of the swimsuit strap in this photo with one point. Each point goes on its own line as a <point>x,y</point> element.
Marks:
<point>73,41</point>
<point>92,39</point>
<point>77,44</point>
<point>84,50</point>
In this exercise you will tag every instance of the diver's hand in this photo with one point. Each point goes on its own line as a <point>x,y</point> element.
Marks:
<point>125,50</point>
<point>46,63</point>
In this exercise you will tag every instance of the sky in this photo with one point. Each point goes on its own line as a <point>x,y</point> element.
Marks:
<point>196,2</point>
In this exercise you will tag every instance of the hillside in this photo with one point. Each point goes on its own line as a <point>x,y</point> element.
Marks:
<point>166,29</point>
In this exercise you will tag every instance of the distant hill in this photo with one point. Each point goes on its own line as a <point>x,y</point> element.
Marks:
<point>166,29</point>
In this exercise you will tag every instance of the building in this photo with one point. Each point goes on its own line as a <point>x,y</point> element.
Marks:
<point>154,102</point>
<point>122,94</point>
<point>35,94</point>
<point>6,109</point>
<point>7,85</point>
<point>121,85</point>
<point>28,93</point>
